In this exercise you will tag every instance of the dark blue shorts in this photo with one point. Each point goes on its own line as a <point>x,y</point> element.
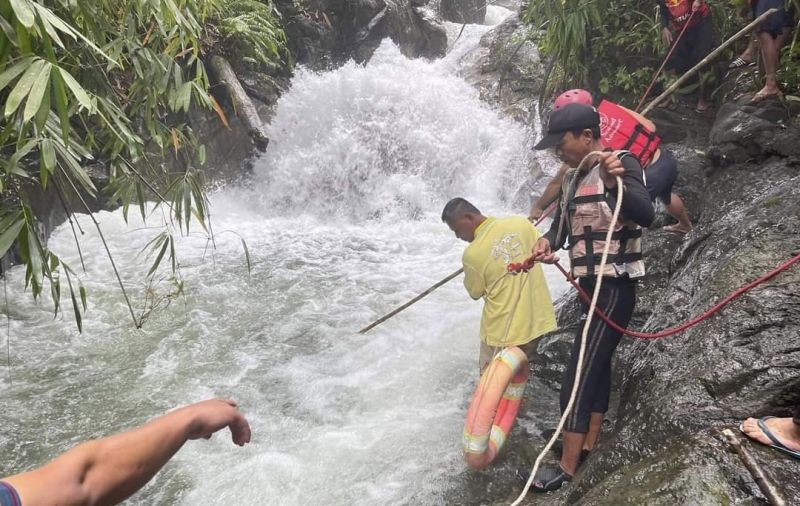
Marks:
<point>660,177</point>
<point>8,496</point>
<point>776,23</point>
<point>695,44</point>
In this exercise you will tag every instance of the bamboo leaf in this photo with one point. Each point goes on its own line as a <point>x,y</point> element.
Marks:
<point>77,90</point>
<point>158,258</point>
<point>10,233</point>
<point>24,12</point>
<point>40,86</point>
<point>13,71</point>
<point>23,87</point>
<point>219,112</point>
<point>62,106</point>
<point>246,255</point>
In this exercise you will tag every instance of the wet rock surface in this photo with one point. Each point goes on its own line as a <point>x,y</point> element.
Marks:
<point>508,70</point>
<point>661,442</point>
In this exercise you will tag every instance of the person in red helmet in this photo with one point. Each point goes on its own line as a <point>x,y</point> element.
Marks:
<point>622,128</point>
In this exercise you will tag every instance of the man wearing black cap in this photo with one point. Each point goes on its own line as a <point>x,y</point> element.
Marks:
<point>587,200</point>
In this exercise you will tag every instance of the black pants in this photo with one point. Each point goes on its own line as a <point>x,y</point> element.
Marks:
<point>617,300</point>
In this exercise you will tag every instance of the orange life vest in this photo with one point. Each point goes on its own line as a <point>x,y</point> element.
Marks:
<point>681,10</point>
<point>620,130</point>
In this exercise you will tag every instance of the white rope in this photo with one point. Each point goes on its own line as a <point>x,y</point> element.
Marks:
<point>584,336</point>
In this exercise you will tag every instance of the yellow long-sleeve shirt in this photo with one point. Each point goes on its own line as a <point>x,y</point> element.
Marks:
<point>498,242</point>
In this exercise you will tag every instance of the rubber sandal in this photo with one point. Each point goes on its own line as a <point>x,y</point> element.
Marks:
<point>739,63</point>
<point>777,444</point>
<point>548,479</point>
<point>758,97</point>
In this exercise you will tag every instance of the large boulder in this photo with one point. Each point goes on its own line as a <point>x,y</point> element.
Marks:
<point>463,11</point>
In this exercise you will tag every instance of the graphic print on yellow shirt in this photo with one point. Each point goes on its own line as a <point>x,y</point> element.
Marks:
<point>498,242</point>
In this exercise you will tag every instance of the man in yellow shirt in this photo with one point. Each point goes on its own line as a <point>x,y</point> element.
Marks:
<point>517,308</point>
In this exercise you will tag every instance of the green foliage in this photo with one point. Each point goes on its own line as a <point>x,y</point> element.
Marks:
<point>111,81</point>
<point>251,30</point>
<point>614,46</point>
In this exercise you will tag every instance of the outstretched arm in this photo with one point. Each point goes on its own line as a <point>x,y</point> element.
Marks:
<point>549,195</point>
<point>109,470</point>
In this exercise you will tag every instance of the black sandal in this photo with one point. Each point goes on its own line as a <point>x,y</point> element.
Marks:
<point>547,479</point>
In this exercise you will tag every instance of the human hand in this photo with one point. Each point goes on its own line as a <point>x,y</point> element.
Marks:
<point>697,5</point>
<point>541,252</point>
<point>208,417</point>
<point>666,36</point>
<point>535,213</point>
<point>610,168</point>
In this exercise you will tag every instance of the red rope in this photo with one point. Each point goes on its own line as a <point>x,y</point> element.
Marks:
<point>694,321</point>
<point>658,72</point>
<point>528,264</point>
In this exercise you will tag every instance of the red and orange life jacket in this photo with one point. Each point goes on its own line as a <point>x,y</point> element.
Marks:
<point>620,130</point>
<point>681,10</point>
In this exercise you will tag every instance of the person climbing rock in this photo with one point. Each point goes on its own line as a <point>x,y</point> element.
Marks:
<point>622,128</point>
<point>587,200</point>
<point>517,309</point>
<point>695,44</point>
<point>782,434</point>
<point>111,469</point>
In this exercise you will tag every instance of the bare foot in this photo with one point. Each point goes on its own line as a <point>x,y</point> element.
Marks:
<point>678,229</point>
<point>766,92</point>
<point>783,429</point>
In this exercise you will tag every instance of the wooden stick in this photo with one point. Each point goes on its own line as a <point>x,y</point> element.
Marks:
<point>412,301</point>
<point>762,479</point>
<point>706,60</point>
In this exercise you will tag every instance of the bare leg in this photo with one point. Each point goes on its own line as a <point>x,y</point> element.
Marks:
<point>677,210</point>
<point>770,49</point>
<point>595,424</point>
<point>571,452</point>
<point>749,53</point>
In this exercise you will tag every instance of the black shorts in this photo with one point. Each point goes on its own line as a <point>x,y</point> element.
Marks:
<point>776,23</point>
<point>695,44</point>
<point>660,177</point>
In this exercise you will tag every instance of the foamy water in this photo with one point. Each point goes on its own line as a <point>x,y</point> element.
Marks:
<point>341,217</point>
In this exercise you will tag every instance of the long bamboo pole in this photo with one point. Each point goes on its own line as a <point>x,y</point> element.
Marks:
<point>412,301</point>
<point>761,478</point>
<point>689,73</point>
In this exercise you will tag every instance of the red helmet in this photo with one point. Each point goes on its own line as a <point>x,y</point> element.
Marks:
<point>576,96</point>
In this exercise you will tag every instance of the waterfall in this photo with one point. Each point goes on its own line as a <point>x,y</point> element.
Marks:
<point>341,218</point>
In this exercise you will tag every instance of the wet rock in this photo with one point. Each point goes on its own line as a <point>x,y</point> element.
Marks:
<point>463,11</point>
<point>762,129</point>
<point>327,33</point>
<point>508,70</point>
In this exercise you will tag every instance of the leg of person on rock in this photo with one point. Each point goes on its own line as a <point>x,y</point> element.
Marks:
<point>782,434</point>
<point>617,299</point>
<point>677,210</point>
<point>772,33</point>
<point>748,56</point>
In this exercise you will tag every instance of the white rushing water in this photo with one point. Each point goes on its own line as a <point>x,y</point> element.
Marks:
<point>341,217</point>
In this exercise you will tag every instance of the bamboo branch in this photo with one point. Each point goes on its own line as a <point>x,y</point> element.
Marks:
<point>241,101</point>
<point>136,322</point>
<point>412,301</point>
<point>689,73</point>
<point>761,478</point>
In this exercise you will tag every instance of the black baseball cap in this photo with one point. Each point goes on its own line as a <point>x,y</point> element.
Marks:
<point>568,118</point>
